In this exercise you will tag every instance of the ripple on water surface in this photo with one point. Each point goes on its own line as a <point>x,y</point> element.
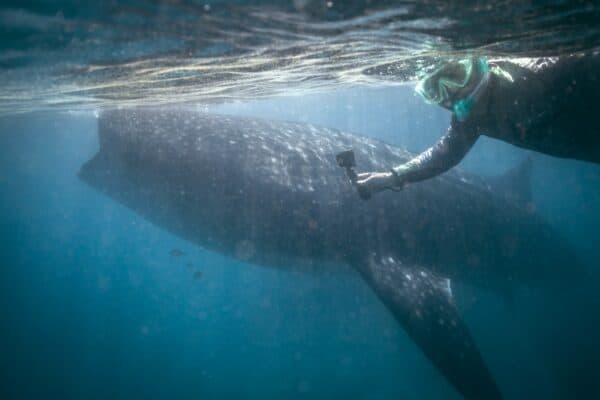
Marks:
<point>71,54</point>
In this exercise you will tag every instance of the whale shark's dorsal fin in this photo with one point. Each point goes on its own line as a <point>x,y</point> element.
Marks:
<point>422,302</point>
<point>515,184</point>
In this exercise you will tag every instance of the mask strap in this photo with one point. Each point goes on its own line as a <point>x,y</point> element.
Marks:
<point>462,108</point>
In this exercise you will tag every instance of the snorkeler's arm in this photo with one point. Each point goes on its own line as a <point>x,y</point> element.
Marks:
<point>442,156</point>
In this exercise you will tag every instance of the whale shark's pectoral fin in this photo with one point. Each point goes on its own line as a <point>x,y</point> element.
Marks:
<point>422,303</point>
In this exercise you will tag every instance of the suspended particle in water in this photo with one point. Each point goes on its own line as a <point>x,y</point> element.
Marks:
<point>304,386</point>
<point>299,5</point>
<point>103,282</point>
<point>176,253</point>
<point>244,250</point>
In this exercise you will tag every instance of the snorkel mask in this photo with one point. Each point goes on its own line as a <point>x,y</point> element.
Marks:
<point>444,84</point>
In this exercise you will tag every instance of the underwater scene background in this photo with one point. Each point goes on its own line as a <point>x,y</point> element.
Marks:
<point>97,302</point>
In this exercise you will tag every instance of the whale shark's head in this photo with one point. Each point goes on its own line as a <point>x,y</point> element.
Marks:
<point>204,177</point>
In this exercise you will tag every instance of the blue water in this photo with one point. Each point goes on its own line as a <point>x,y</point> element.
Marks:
<point>98,303</point>
<point>95,303</point>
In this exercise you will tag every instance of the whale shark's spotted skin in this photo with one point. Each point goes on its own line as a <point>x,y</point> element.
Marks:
<point>271,193</point>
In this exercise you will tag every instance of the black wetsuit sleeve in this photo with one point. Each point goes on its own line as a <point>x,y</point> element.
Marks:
<point>442,156</point>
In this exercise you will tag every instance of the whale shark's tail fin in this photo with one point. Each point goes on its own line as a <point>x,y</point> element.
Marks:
<point>423,304</point>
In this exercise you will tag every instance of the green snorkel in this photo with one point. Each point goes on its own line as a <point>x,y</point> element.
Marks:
<point>462,108</point>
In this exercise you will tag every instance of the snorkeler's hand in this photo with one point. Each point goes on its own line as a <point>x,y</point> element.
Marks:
<point>375,182</point>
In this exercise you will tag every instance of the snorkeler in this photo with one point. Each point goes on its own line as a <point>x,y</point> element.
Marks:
<point>548,106</point>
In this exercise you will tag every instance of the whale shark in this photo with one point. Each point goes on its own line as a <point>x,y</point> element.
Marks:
<point>271,193</point>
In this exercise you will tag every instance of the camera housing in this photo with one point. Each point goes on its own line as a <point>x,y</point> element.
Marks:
<point>346,159</point>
